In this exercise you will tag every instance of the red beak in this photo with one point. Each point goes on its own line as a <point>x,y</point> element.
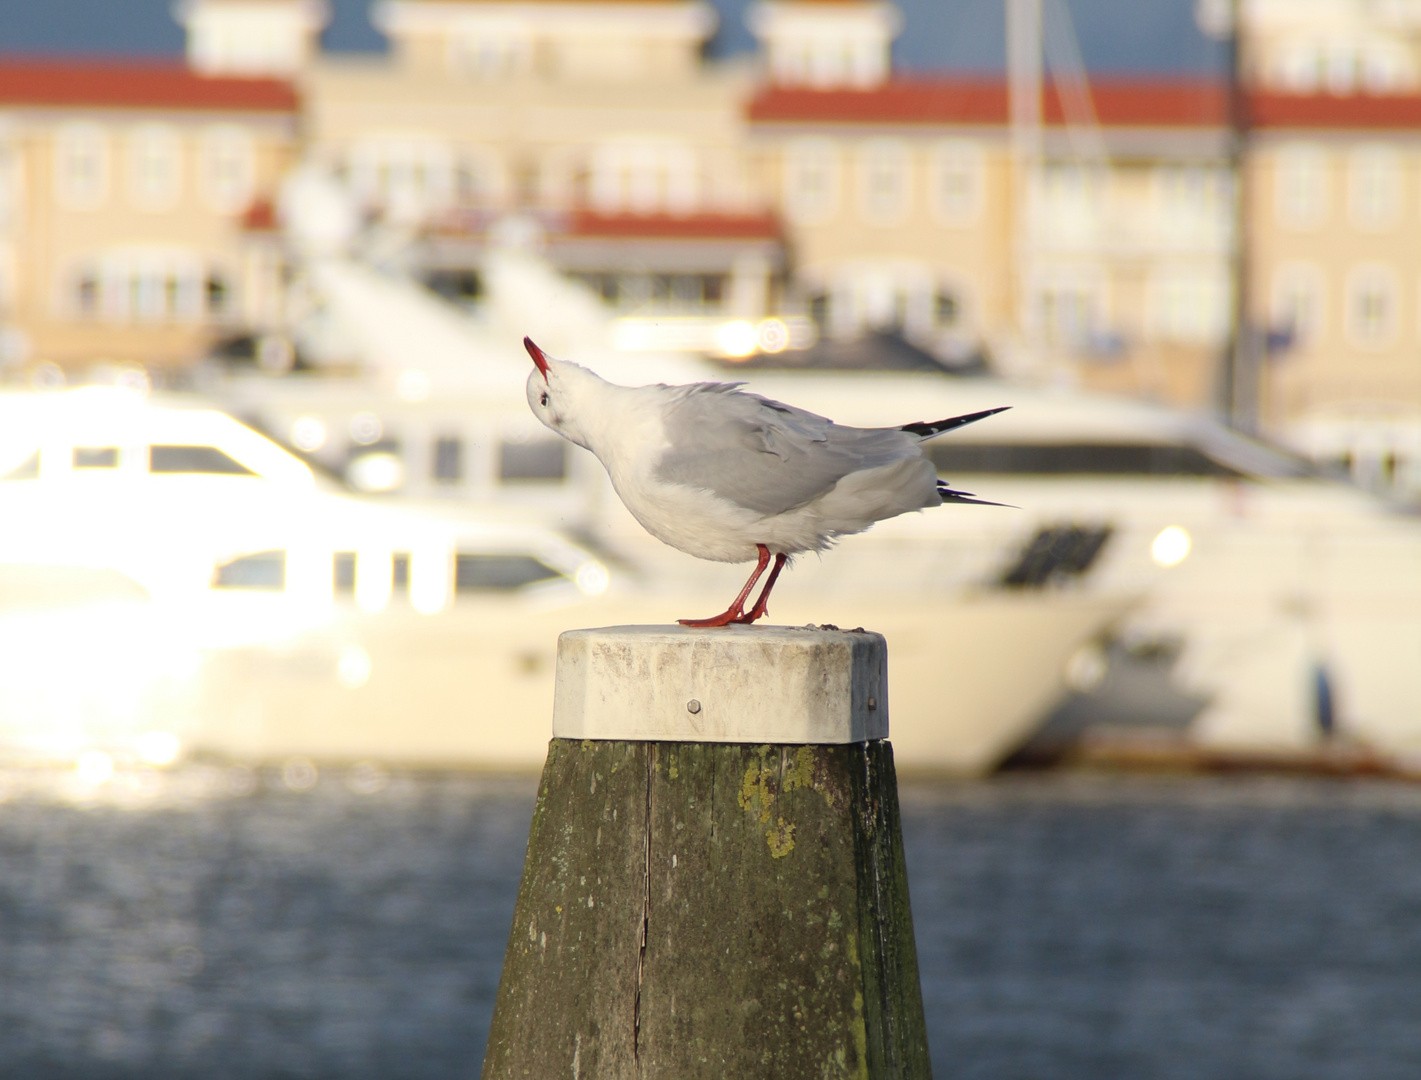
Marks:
<point>537,355</point>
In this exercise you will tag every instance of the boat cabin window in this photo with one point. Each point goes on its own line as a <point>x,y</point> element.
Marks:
<point>535,460</point>
<point>25,470</point>
<point>1077,459</point>
<point>343,568</point>
<point>261,570</point>
<point>96,457</point>
<point>448,459</point>
<point>194,459</point>
<point>1056,553</point>
<point>481,573</point>
<point>400,580</point>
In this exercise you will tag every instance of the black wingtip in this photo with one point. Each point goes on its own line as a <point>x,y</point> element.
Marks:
<point>951,495</point>
<point>927,429</point>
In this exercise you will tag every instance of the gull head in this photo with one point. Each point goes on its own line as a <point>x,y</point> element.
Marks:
<point>557,392</point>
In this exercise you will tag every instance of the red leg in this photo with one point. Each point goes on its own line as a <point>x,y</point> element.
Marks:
<point>736,611</point>
<point>759,609</point>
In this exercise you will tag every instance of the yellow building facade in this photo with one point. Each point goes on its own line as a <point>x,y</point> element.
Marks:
<point>123,195</point>
<point>810,182</point>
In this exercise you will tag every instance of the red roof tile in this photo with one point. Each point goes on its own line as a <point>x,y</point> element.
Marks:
<point>111,84</point>
<point>260,216</point>
<point>1121,103</point>
<point>917,101</point>
<point>1392,111</point>
<point>1117,102</point>
<point>1152,103</point>
<point>585,223</point>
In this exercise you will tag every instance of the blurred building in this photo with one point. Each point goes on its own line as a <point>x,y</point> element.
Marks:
<point>123,193</point>
<point>1334,200</point>
<point>1340,47</point>
<point>811,190</point>
<point>909,211</point>
<point>591,131</point>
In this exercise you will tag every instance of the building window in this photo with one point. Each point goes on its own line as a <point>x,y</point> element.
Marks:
<point>534,460</point>
<point>219,295</point>
<point>343,571</point>
<point>228,168</point>
<point>1188,305</point>
<point>1073,200</point>
<point>86,295</point>
<point>1374,187</point>
<point>1341,68</point>
<point>1372,314</point>
<point>10,348</point>
<point>487,572</point>
<point>1297,302</point>
<point>819,310</point>
<point>152,285</point>
<point>1302,190</point>
<point>407,178</point>
<point>1183,188</point>
<point>203,460</point>
<point>28,469</point>
<point>947,309</point>
<point>461,286</point>
<point>81,166</point>
<point>487,56</point>
<point>1192,192</point>
<point>689,293</point>
<point>95,457</point>
<point>811,180</point>
<point>11,186</point>
<point>265,570</point>
<point>957,182</point>
<point>645,178</point>
<point>884,175</point>
<point>478,179</point>
<point>1068,315</point>
<point>147,295</point>
<point>448,466</point>
<point>1192,205</point>
<point>1070,307</point>
<point>154,167</point>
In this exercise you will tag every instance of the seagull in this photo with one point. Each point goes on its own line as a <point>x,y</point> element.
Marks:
<point>727,475</point>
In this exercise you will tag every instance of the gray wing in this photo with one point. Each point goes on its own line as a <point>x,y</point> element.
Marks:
<point>765,456</point>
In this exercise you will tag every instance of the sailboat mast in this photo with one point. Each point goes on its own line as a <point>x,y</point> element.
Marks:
<point>1241,374</point>
<point>1024,86</point>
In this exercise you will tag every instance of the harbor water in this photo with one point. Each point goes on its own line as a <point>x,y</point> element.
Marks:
<point>225,922</point>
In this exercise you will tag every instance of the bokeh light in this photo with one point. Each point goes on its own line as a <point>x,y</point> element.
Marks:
<point>1171,546</point>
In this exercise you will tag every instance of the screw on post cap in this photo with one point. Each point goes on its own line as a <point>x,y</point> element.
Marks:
<point>693,706</point>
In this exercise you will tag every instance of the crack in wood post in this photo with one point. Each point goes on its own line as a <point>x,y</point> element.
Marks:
<point>713,762</point>
<point>887,968</point>
<point>645,906</point>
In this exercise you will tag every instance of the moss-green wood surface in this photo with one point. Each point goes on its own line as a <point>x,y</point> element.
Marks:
<point>712,910</point>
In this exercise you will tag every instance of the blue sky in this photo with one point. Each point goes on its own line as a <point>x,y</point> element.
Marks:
<point>939,35</point>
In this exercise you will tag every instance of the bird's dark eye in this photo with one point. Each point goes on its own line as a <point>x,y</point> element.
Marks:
<point>544,399</point>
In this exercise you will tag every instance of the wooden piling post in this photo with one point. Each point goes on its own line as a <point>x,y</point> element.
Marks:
<point>702,901</point>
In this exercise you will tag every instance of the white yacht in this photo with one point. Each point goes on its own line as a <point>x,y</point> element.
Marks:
<point>171,581</point>
<point>1292,601</point>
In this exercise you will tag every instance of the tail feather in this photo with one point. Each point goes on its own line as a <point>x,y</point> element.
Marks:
<point>947,493</point>
<point>926,430</point>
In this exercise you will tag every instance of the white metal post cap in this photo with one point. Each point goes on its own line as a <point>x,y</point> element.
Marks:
<point>733,684</point>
